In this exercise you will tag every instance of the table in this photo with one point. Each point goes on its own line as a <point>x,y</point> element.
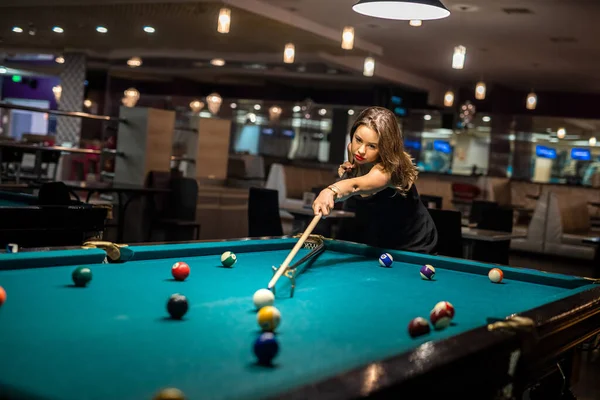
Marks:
<point>471,235</point>
<point>303,215</point>
<point>126,193</point>
<point>343,332</point>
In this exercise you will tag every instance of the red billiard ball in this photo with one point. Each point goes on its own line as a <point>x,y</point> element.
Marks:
<point>180,271</point>
<point>418,326</point>
<point>440,317</point>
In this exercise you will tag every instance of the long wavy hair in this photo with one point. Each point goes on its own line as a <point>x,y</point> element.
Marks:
<point>393,158</point>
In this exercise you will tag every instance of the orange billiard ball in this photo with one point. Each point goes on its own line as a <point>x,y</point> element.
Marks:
<point>496,275</point>
<point>2,295</point>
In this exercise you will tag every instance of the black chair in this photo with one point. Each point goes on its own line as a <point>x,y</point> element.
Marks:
<point>478,207</point>
<point>431,201</point>
<point>178,217</point>
<point>494,219</point>
<point>263,213</point>
<point>449,229</point>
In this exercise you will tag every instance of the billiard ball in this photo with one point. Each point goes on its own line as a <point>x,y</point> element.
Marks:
<point>427,272</point>
<point>418,326</point>
<point>386,260</point>
<point>2,296</point>
<point>12,248</point>
<point>177,306</point>
<point>496,275</point>
<point>268,318</point>
<point>440,317</point>
<point>81,276</point>
<point>266,348</point>
<point>228,259</point>
<point>180,271</point>
<point>262,298</point>
<point>169,394</point>
<point>447,306</point>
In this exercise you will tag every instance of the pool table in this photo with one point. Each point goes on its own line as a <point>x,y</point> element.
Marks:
<point>343,331</point>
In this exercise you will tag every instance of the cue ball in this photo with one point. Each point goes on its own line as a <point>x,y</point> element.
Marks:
<point>2,296</point>
<point>266,348</point>
<point>12,248</point>
<point>169,394</point>
<point>228,259</point>
<point>427,272</point>
<point>496,275</point>
<point>262,298</point>
<point>386,260</point>
<point>177,306</point>
<point>81,276</point>
<point>268,318</point>
<point>180,271</point>
<point>418,326</point>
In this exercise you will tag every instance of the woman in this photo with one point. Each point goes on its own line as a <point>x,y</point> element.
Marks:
<point>381,175</point>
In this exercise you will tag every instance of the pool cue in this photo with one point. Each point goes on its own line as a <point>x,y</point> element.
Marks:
<point>294,251</point>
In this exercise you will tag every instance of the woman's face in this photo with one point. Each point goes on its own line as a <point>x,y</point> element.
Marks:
<point>365,145</point>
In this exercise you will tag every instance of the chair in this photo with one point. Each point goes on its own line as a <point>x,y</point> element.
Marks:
<point>179,216</point>
<point>494,219</point>
<point>449,228</point>
<point>431,201</point>
<point>478,207</point>
<point>263,213</point>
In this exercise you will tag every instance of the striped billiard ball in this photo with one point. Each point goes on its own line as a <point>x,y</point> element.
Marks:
<point>496,275</point>
<point>427,272</point>
<point>418,326</point>
<point>386,260</point>
<point>228,259</point>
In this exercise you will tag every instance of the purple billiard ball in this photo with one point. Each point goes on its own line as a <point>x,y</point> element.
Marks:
<point>266,348</point>
<point>427,272</point>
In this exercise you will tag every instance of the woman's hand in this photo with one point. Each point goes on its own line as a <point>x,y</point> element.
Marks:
<point>345,167</point>
<point>324,202</point>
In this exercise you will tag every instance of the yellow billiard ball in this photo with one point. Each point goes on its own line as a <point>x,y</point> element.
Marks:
<point>268,318</point>
<point>169,394</point>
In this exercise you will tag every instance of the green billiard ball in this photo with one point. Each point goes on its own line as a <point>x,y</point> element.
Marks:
<point>81,276</point>
<point>228,259</point>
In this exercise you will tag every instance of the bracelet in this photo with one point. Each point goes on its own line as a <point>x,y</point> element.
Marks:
<point>335,190</point>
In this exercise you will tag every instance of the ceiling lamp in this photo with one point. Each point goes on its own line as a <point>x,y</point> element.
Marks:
<point>289,53</point>
<point>57,90</point>
<point>458,59</point>
<point>224,20</point>
<point>134,62</point>
<point>131,97</point>
<point>480,91</point>
<point>561,133</point>
<point>348,38</point>
<point>402,9</point>
<point>275,113</point>
<point>592,141</point>
<point>217,62</point>
<point>214,102</point>
<point>196,106</point>
<point>531,101</point>
<point>449,98</point>
<point>88,103</point>
<point>369,67</point>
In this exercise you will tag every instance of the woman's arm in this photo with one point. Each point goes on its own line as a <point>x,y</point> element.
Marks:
<point>373,182</point>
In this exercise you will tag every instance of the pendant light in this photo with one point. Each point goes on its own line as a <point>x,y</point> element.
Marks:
<point>289,53</point>
<point>449,98</point>
<point>369,66</point>
<point>402,9</point>
<point>348,38</point>
<point>531,101</point>
<point>224,21</point>
<point>458,58</point>
<point>480,91</point>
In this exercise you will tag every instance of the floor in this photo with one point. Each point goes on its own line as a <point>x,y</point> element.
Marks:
<point>587,386</point>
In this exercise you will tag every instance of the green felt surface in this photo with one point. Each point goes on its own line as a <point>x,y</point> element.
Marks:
<point>113,339</point>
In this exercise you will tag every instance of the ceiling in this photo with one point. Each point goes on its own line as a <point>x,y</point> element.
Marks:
<point>547,46</point>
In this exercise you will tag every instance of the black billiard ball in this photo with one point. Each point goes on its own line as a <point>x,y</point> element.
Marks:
<point>81,276</point>
<point>177,306</point>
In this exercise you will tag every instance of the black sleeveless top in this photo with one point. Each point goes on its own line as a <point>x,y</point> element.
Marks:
<point>390,220</point>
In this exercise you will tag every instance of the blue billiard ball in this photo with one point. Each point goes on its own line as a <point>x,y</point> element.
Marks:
<point>266,348</point>
<point>386,260</point>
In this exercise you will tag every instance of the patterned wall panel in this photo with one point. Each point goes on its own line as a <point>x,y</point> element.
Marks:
<point>72,80</point>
